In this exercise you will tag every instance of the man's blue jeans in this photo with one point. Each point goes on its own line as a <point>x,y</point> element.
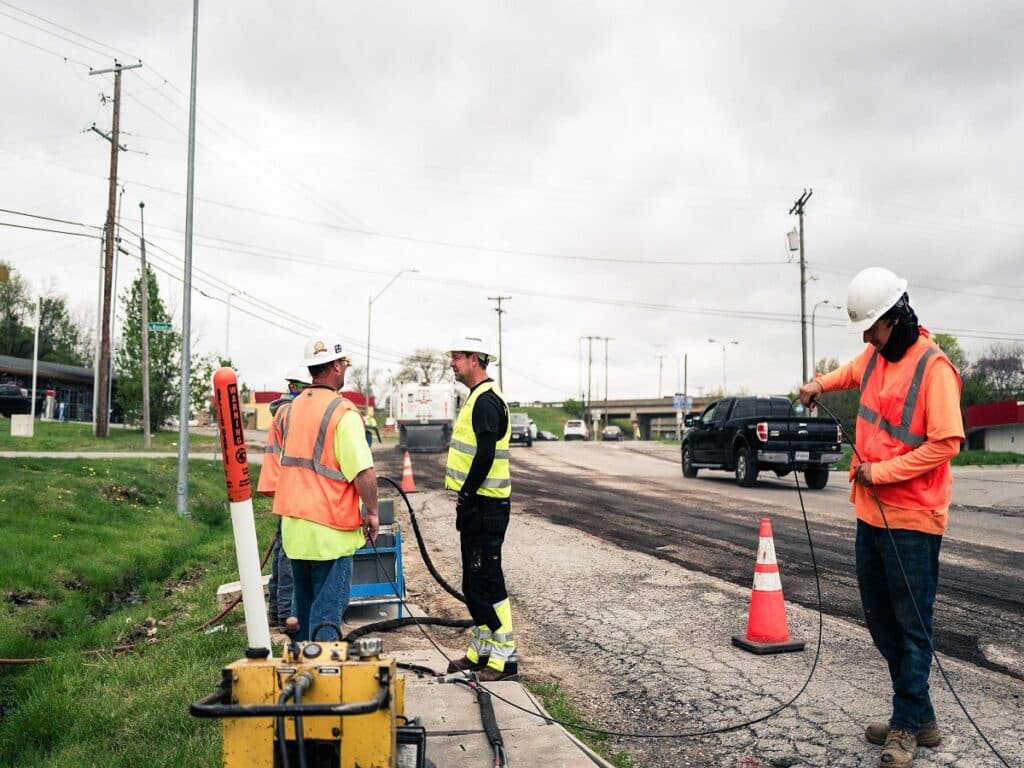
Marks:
<point>279,589</point>
<point>321,593</point>
<point>891,618</point>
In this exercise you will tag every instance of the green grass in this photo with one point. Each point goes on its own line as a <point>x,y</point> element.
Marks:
<point>76,436</point>
<point>95,556</point>
<point>559,708</point>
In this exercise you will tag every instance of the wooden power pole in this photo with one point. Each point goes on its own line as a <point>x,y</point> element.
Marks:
<point>501,356</point>
<point>102,373</point>
<point>798,209</point>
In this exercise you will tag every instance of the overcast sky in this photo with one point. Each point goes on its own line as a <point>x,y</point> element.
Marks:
<point>618,170</point>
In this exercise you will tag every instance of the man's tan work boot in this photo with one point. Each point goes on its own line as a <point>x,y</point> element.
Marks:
<point>928,735</point>
<point>465,665</point>
<point>899,750</point>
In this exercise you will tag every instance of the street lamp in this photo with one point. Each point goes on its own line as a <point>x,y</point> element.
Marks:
<point>369,317</point>
<point>723,344</point>
<point>814,359</point>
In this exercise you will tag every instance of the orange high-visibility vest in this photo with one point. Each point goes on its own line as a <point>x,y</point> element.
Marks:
<point>271,469</point>
<point>891,422</point>
<point>311,484</point>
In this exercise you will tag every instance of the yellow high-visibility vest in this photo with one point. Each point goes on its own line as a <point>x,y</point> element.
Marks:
<point>498,483</point>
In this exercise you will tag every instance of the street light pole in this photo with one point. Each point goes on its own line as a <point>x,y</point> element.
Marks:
<point>723,344</point>
<point>369,319</point>
<point>814,359</point>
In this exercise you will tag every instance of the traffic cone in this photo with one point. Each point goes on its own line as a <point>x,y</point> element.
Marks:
<point>767,629</point>
<point>408,484</point>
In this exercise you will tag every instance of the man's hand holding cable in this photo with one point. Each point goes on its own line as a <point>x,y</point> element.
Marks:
<point>810,392</point>
<point>371,525</point>
<point>862,474</point>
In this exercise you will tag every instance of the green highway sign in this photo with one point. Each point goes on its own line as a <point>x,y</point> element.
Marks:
<point>160,327</point>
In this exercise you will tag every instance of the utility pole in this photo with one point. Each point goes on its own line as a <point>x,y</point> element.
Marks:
<point>607,421</point>
<point>102,404</point>
<point>147,440</point>
<point>798,209</point>
<point>501,356</point>
<point>590,360</point>
<point>661,359</point>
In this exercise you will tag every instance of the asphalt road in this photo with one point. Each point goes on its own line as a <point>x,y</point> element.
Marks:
<point>634,496</point>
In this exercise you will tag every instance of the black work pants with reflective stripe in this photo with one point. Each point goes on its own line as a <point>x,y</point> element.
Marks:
<point>481,534</point>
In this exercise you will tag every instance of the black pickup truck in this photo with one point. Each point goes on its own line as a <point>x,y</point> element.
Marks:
<point>747,435</point>
<point>13,400</point>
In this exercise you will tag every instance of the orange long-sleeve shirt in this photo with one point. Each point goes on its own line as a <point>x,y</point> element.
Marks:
<point>940,392</point>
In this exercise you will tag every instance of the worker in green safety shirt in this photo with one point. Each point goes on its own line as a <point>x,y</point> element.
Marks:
<point>478,469</point>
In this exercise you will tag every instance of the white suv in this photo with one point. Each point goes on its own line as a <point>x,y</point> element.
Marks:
<point>575,429</point>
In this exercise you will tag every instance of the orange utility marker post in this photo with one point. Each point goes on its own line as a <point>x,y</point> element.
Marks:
<point>243,524</point>
<point>767,628</point>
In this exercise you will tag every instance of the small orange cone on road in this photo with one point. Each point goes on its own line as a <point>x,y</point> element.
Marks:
<point>767,629</point>
<point>408,484</point>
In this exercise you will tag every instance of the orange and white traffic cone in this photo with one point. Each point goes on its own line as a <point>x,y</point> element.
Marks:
<point>767,629</point>
<point>408,484</point>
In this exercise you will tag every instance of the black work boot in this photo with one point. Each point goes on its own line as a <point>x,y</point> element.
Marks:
<point>465,665</point>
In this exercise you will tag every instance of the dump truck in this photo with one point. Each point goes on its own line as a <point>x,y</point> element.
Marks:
<point>426,414</point>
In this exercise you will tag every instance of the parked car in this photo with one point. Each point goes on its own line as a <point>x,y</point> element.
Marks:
<point>611,432</point>
<point>746,435</point>
<point>545,435</point>
<point>575,429</point>
<point>14,400</point>
<point>520,429</point>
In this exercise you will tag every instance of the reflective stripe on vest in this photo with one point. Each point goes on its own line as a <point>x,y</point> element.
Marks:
<point>498,483</point>
<point>902,430</point>
<point>318,448</point>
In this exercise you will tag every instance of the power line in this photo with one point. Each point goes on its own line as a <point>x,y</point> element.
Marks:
<point>54,34</point>
<point>66,29</point>
<point>47,50</point>
<point>49,218</point>
<point>46,229</point>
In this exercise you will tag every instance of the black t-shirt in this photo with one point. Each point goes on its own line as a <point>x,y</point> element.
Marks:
<point>490,421</point>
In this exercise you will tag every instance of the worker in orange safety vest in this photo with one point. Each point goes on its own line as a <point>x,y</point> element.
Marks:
<point>909,427</point>
<point>326,470</point>
<point>279,589</point>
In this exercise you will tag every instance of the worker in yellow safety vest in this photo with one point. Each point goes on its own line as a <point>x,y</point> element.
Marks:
<point>279,589</point>
<point>326,469</point>
<point>478,469</point>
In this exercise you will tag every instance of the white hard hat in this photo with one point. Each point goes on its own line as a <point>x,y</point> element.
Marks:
<point>321,349</point>
<point>872,293</point>
<point>477,344</point>
<point>300,375</point>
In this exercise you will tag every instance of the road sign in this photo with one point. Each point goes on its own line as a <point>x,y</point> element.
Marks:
<point>678,401</point>
<point>161,327</point>
<point>689,403</point>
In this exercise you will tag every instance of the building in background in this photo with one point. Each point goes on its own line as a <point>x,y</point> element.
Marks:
<point>995,426</point>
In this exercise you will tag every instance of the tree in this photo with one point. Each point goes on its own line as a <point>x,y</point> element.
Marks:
<point>15,310</point>
<point>164,358</point>
<point>573,408</point>
<point>844,404</point>
<point>200,387</point>
<point>60,338</point>
<point>1001,368</point>
<point>425,366</point>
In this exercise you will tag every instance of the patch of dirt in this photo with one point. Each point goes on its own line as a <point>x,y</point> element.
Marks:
<point>69,581</point>
<point>130,493</point>
<point>145,631</point>
<point>25,597</point>
<point>185,582</point>
<point>44,630</point>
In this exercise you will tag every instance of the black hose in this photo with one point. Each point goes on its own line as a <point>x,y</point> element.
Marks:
<point>300,737</point>
<point>279,726</point>
<point>405,621</point>
<point>487,718</point>
<point>422,545</point>
<point>209,706</point>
